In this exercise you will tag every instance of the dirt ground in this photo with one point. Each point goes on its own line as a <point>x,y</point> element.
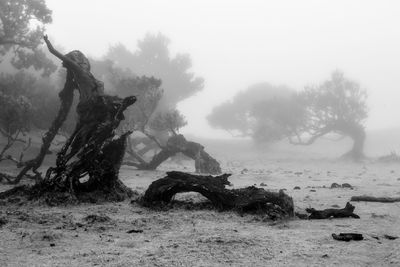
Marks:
<point>190,234</point>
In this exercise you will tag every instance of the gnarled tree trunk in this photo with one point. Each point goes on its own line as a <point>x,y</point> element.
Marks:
<point>89,162</point>
<point>204,163</point>
<point>250,199</point>
<point>357,133</point>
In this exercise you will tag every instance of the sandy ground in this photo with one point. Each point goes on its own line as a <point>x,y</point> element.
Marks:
<point>194,235</point>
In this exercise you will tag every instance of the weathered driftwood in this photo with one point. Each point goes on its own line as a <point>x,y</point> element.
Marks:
<point>335,213</point>
<point>204,163</point>
<point>249,199</point>
<point>375,199</point>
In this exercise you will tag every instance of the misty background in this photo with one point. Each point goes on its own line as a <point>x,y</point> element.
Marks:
<point>234,44</point>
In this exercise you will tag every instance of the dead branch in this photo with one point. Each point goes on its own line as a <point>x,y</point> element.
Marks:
<point>335,213</point>
<point>375,199</point>
<point>204,163</point>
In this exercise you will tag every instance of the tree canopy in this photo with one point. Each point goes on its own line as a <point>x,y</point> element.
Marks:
<point>254,112</point>
<point>153,58</point>
<point>338,105</point>
<point>22,25</point>
<point>267,113</point>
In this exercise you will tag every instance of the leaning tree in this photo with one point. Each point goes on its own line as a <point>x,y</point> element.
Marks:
<point>154,128</point>
<point>261,112</point>
<point>336,106</point>
<point>90,160</point>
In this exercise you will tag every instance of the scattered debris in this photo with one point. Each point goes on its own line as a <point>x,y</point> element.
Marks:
<point>375,199</point>
<point>390,237</point>
<point>345,185</point>
<point>392,157</point>
<point>93,218</point>
<point>3,221</point>
<point>348,236</point>
<point>134,231</point>
<point>335,213</point>
<point>373,215</point>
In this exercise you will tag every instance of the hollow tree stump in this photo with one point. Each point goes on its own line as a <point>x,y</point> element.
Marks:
<point>250,199</point>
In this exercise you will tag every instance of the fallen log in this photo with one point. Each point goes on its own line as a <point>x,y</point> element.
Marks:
<point>335,213</point>
<point>348,236</point>
<point>250,199</point>
<point>375,199</point>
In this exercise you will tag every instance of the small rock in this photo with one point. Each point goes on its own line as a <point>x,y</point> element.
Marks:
<point>335,185</point>
<point>298,173</point>
<point>346,185</point>
<point>335,206</point>
<point>134,231</point>
<point>296,188</point>
<point>325,256</point>
<point>3,221</point>
<point>94,218</point>
<point>52,245</point>
<point>263,184</point>
<point>313,190</point>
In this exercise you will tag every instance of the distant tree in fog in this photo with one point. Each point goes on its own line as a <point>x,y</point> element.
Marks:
<point>171,120</point>
<point>277,118</point>
<point>21,29</point>
<point>338,106</point>
<point>262,112</point>
<point>153,58</point>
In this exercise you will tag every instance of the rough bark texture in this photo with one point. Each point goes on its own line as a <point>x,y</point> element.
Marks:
<point>335,213</point>
<point>89,162</point>
<point>204,163</point>
<point>250,199</point>
<point>376,199</point>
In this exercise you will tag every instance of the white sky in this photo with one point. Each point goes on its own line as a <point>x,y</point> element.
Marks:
<point>234,44</point>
